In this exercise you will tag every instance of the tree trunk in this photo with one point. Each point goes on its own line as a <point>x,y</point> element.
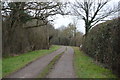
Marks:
<point>47,38</point>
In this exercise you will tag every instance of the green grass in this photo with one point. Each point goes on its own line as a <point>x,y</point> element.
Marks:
<point>86,68</point>
<point>50,66</point>
<point>0,68</point>
<point>13,64</point>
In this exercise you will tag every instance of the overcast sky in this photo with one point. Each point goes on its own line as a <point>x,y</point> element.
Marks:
<point>65,20</point>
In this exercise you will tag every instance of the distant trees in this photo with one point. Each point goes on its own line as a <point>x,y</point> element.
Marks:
<point>92,11</point>
<point>68,36</point>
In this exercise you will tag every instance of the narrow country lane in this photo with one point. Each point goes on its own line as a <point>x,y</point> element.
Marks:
<point>36,67</point>
<point>64,67</point>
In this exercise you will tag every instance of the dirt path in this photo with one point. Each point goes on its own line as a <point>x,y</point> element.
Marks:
<point>35,68</point>
<point>64,67</point>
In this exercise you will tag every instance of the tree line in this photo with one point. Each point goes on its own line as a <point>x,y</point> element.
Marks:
<point>25,25</point>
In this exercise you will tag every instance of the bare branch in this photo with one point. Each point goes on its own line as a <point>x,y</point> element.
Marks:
<point>92,12</point>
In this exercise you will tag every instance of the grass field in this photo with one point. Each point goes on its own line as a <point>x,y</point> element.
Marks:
<point>12,64</point>
<point>86,68</point>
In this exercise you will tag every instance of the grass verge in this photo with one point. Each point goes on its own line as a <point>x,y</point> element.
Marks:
<point>49,67</point>
<point>86,68</point>
<point>15,63</point>
<point>0,68</point>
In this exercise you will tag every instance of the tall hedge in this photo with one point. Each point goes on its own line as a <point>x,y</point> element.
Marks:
<point>23,40</point>
<point>103,44</point>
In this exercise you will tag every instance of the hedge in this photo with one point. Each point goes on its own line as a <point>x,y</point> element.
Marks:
<point>103,44</point>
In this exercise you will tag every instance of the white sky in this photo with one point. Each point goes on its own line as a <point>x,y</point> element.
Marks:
<point>65,20</point>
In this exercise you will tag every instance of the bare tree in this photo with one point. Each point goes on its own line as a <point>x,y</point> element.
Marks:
<point>42,10</point>
<point>92,11</point>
